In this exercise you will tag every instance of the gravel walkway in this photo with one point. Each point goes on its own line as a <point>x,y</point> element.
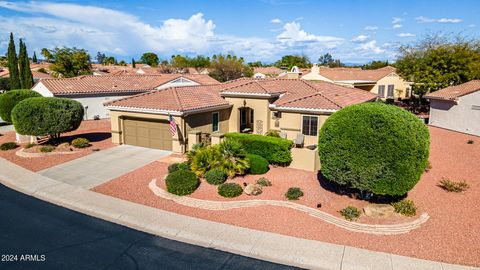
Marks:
<point>450,235</point>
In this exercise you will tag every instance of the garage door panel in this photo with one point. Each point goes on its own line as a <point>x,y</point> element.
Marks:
<point>148,133</point>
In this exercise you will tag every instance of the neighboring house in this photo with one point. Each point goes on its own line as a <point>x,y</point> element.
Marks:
<point>92,91</point>
<point>267,72</point>
<point>37,75</point>
<point>384,82</point>
<point>457,108</point>
<point>289,106</point>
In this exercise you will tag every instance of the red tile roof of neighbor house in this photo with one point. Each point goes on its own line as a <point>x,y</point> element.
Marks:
<point>269,70</point>
<point>295,93</point>
<point>91,84</point>
<point>355,74</point>
<point>454,92</point>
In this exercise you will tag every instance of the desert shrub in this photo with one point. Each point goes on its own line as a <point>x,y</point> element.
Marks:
<point>10,99</point>
<point>230,190</point>
<point>258,164</point>
<point>47,148</point>
<point>264,182</point>
<point>215,176</point>
<point>272,133</point>
<point>182,182</point>
<point>350,213</point>
<point>40,116</point>
<point>294,193</point>
<point>29,145</point>
<point>184,166</point>
<point>374,148</point>
<point>452,186</point>
<point>275,150</point>
<point>80,143</point>
<point>405,207</point>
<point>173,167</point>
<point>8,146</point>
<point>470,142</point>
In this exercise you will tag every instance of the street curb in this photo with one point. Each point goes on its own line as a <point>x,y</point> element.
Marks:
<point>247,242</point>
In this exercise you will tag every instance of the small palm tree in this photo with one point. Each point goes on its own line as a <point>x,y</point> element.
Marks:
<point>234,157</point>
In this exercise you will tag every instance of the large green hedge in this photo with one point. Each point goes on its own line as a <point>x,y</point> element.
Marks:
<point>275,150</point>
<point>42,116</point>
<point>375,148</point>
<point>9,99</point>
<point>258,164</point>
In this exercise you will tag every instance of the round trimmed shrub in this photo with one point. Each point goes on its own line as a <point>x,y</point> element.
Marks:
<point>8,146</point>
<point>10,99</point>
<point>41,116</point>
<point>294,193</point>
<point>215,176</point>
<point>230,190</point>
<point>182,182</point>
<point>81,143</point>
<point>258,164</point>
<point>184,166</point>
<point>374,148</point>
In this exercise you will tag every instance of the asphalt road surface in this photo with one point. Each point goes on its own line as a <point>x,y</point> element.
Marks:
<point>38,235</point>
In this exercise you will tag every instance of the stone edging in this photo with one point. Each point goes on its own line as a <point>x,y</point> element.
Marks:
<point>22,153</point>
<point>379,229</point>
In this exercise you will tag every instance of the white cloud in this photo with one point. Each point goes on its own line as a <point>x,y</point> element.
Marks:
<point>472,25</point>
<point>370,47</point>
<point>423,19</point>
<point>276,21</point>
<point>396,26</point>
<point>396,20</point>
<point>405,35</point>
<point>293,35</point>
<point>371,28</point>
<point>360,38</point>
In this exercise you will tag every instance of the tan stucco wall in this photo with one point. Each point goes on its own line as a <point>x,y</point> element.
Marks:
<point>291,123</point>
<point>203,121</point>
<point>178,142</point>
<point>305,159</point>
<point>261,115</point>
<point>400,84</point>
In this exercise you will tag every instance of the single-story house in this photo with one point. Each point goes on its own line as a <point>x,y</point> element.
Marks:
<point>92,91</point>
<point>292,107</point>
<point>384,82</point>
<point>457,108</point>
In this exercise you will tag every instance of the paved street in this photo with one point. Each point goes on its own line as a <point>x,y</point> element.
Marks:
<point>102,166</point>
<point>70,240</point>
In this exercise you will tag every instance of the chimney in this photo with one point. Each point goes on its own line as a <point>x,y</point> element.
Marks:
<point>315,69</point>
<point>294,73</point>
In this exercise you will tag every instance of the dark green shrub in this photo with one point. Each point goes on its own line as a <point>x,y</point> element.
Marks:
<point>81,143</point>
<point>230,190</point>
<point>405,207</point>
<point>8,146</point>
<point>40,116</point>
<point>258,164</point>
<point>452,186</point>
<point>375,148</point>
<point>47,148</point>
<point>350,213</point>
<point>173,167</point>
<point>215,177</point>
<point>182,182</point>
<point>29,145</point>
<point>264,182</point>
<point>275,150</point>
<point>10,99</point>
<point>294,193</point>
<point>184,166</point>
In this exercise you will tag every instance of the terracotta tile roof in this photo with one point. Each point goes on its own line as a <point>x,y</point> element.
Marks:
<point>41,75</point>
<point>179,99</point>
<point>343,96</point>
<point>116,84</point>
<point>454,92</point>
<point>268,70</point>
<point>355,74</point>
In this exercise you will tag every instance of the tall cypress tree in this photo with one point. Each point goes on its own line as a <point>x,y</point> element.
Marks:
<point>13,64</point>
<point>133,63</point>
<point>34,58</point>
<point>21,63</point>
<point>26,74</point>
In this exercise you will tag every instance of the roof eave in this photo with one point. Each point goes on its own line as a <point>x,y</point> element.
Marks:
<point>302,110</point>
<point>241,94</point>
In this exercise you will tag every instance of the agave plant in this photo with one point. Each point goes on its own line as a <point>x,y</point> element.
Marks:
<point>234,157</point>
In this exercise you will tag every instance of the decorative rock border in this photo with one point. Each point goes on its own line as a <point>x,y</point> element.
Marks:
<point>379,229</point>
<point>22,153</point>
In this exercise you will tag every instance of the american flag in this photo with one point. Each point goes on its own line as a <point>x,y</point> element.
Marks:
<point>173,125</point>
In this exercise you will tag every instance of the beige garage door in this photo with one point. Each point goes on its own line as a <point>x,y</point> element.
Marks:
<point>148,133</point>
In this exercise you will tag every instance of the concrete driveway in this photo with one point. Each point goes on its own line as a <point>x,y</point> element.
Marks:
<point>102,166</point>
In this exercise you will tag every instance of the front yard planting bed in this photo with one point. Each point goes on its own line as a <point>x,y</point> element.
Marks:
<point>97,132</point>
<point>450,235</point>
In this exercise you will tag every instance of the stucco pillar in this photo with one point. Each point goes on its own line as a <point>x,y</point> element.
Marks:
<point>193,138</point>
<point>217,138</point>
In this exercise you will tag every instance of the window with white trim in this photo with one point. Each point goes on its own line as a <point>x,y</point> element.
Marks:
<point>390,90</point>
<point>381,91</point>
<point>215,121</point>
<point>309,125</point>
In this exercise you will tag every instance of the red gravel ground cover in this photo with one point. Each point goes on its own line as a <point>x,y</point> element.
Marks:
<point>98,132</point>
<point>450,235</point>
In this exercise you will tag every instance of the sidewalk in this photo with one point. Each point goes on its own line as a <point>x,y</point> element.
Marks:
<point>252,243</point>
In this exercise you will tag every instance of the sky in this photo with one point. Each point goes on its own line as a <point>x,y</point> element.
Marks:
<point>354,31</point>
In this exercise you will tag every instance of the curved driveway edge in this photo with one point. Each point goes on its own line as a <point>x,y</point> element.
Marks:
<point>247,242</point>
